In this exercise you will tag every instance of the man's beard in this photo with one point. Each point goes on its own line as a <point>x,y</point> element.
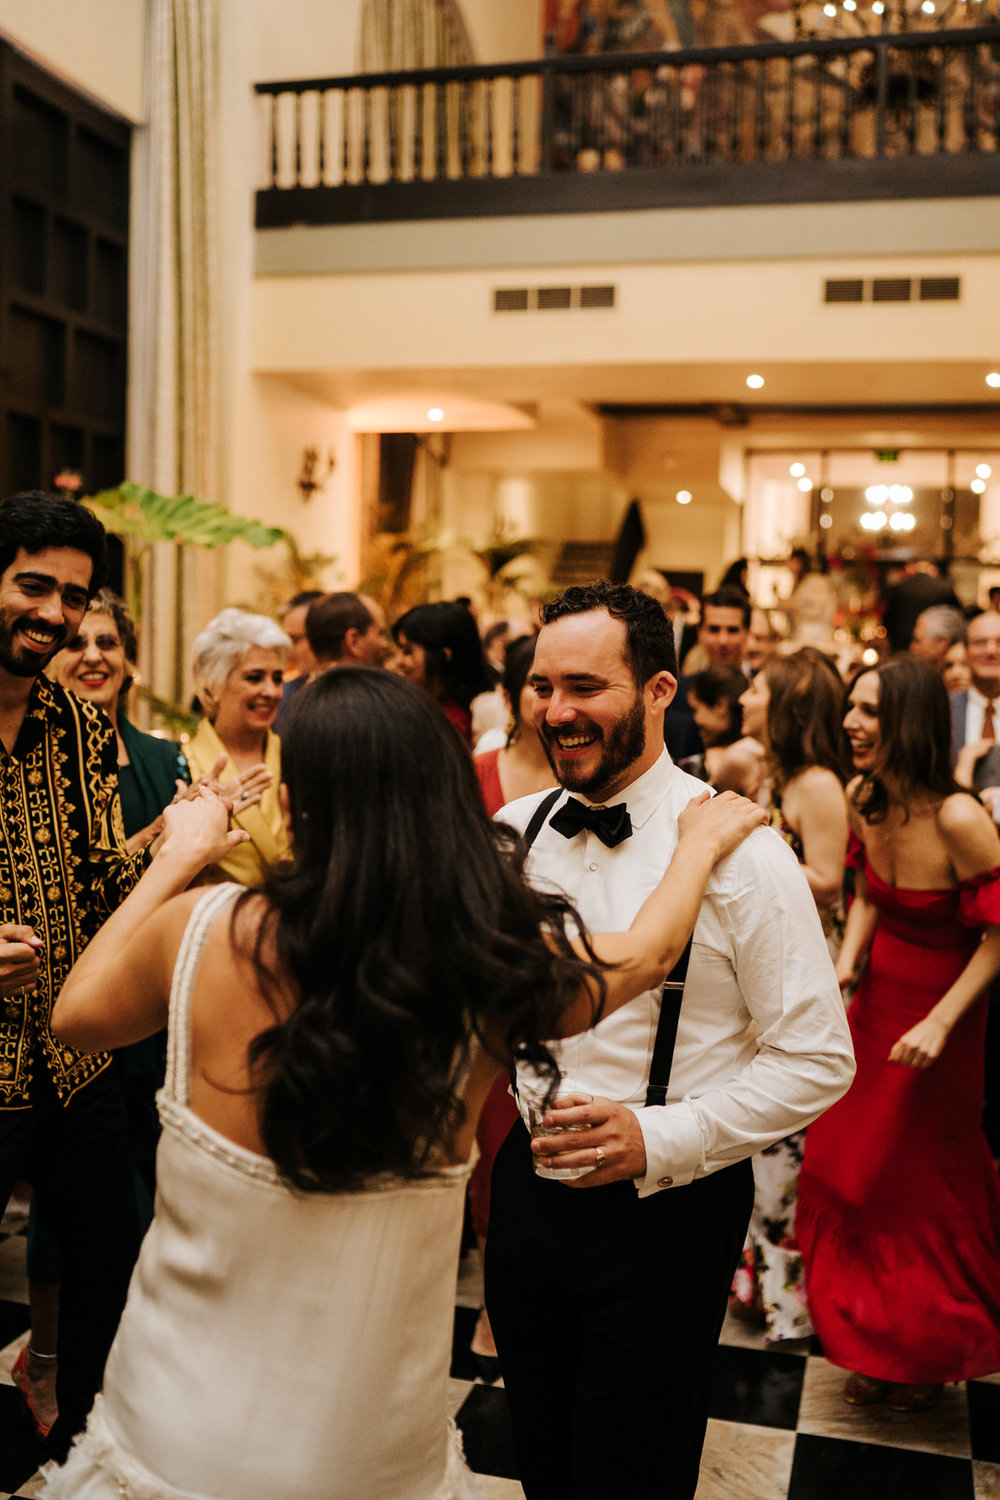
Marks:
<point>624,743</point>
<point>25,663</point>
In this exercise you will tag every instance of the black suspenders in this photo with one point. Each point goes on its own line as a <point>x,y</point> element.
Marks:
<point>673,985</point>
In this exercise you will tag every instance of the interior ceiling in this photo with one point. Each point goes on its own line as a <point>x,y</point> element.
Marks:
<point>476,398</point>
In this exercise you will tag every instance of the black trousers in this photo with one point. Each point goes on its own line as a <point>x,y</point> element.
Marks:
<point>76,1157</point>
<point>606,1309</point>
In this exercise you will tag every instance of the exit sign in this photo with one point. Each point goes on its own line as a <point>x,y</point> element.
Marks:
<point>887,455</point>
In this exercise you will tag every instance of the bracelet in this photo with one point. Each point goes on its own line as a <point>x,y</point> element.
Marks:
<point>35,1354</point>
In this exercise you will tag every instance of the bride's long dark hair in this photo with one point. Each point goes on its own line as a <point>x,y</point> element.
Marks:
<point>404,931</point>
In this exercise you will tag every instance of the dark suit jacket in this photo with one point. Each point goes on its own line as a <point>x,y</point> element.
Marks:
<point>987,772</point>
<point>681,734</point>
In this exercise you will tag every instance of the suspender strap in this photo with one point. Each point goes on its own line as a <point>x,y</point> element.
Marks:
<point>539,815</point>
<point>666,1029</point>
<point>673,985</point>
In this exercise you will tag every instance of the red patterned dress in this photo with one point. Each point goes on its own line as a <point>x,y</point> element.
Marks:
<point>899,1202</point>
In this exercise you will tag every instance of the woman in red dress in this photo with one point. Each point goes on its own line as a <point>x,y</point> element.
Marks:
<point>899,1202</point>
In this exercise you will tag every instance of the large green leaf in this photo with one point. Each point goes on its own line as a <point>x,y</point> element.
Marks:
<point>134,511</point>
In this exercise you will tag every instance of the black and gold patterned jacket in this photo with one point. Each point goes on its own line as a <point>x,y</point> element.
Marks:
<point>63,870</point>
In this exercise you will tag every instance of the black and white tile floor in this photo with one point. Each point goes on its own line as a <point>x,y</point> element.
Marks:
<point>778,1431</point>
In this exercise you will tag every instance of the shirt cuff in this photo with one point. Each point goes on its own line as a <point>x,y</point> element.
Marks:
<point>674,1151</point>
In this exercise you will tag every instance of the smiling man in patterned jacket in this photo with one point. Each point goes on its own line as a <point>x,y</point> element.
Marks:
<point>63,869</point>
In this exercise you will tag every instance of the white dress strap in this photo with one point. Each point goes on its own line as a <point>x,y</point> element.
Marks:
<point>177,1084</point>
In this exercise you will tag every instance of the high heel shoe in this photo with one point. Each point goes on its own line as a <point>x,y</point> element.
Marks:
<point>19,1375</point>
<point>862,1390</point>
<point>913,1397</point>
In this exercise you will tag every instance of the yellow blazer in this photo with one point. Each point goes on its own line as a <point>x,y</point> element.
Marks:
<point>268,842</point>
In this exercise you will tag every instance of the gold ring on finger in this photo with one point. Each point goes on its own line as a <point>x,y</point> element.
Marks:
<point>601,1158</point>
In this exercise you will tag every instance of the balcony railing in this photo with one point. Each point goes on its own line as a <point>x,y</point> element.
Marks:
<point>833,119</point>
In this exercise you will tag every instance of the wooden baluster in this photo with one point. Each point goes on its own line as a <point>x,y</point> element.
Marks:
<point>464,128</point>
<point>970,113</point>
<point>912,102</point>
<point>441,130</point>
<point>736,99</point>
<point>298,139</point>
<point>366,126</point>
<point>486,108</point>
<point>345,136</point>
<point>790,81</point>
<point>761,132</point>
<point>418,130</point>
<point>938,59</point>
<point>515,125</point>
<point>881,97</point>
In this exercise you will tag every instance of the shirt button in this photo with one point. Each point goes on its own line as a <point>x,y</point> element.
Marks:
<point>592,865</point>
<point>665,1182</point>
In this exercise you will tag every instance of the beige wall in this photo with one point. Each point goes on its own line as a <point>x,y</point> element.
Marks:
<point>96,45</point>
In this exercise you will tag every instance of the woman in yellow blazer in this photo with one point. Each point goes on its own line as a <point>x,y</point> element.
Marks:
<point>238,669</point>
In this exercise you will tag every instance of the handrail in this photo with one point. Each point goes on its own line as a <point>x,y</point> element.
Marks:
<point>618,62</point>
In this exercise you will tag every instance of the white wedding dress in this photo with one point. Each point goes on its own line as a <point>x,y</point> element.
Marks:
<point>275,1345</point>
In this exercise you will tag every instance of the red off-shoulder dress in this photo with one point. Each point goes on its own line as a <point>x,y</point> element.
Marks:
<point>899,1202</point>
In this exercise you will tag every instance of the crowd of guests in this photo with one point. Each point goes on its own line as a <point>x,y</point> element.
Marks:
<point>364,900</point>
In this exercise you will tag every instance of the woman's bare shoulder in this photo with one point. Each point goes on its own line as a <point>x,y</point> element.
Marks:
<point>962,816</point>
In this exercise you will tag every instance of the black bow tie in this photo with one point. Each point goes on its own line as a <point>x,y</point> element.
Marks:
<point>611,824</point>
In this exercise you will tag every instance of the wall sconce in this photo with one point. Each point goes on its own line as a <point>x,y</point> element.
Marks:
<point>312,478</point>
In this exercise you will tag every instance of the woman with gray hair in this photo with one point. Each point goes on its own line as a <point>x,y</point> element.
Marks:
<point>238,670</point>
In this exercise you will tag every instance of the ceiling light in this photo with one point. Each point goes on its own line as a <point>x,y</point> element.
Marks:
<point>983,471</point>
<point>829,10</point>
<point>826,520</point>
<point>928,7</point>
<point>874,520</point>
<point>850,4</point>
<point>756,381</point>
<point>683,497</point>
<point>900,494</point>
<point>805,485</point>
<point>877,494</point>
<point>435,414</point>
<point>878,8</point>
<point>978,486</point>
<point>826,494</point>
<point>869,655</point>
<point>797,470</point>
<point>993,378</point>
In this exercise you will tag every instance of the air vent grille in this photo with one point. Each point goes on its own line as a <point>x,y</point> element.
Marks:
<point>844,291</point>
<point>894,289</point>
<point>552,298</point>
<point>510,299</point>
<point>939,288</point>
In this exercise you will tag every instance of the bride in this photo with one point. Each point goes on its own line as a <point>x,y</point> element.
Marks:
<point>332,1039</point>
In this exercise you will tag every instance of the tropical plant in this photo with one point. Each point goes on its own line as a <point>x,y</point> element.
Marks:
<point>143,517</point>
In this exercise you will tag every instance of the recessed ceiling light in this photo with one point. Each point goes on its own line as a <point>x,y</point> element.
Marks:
<point>993,378</point>
<point>435,414</point>
<point>755,382</point>
<point>683,497</point>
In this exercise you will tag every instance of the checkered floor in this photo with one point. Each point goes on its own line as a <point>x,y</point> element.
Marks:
<point>779,1429</point>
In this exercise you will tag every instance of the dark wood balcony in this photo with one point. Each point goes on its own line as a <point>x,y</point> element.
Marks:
<point>908,115</point>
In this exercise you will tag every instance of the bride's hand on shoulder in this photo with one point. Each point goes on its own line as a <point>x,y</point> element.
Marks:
<point>197,829</point>
<point>724,821</point>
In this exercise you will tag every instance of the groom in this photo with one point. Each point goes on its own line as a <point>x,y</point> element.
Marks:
<point>607,1293</point>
